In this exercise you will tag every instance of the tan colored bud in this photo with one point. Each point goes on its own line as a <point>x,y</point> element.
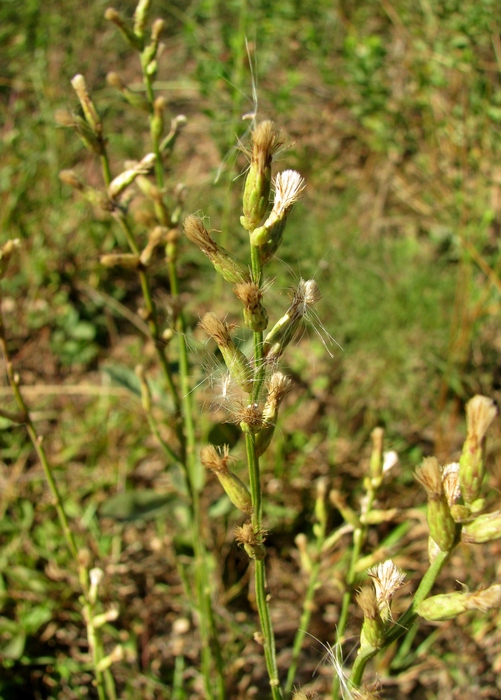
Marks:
<point>112,15</point>
<point>480,412</point>
<point>224,263</point>
<point>251,541</point>
<point>236,362</point>
<point>176,125</point>
<point>376,463</point>
<point>251,296</point>
<point>278,387</point>
<point>122,181</point>
<point>90,112</point>
<point>443,529</point>
<point>69,177</point>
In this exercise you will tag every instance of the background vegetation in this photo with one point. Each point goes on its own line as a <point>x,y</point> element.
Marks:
<point>393,110</point>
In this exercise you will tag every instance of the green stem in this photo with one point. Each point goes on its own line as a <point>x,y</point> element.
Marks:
<point>359,536</point>
<point>404,623</point>
<point>259,571</point>
<point>304,622</point>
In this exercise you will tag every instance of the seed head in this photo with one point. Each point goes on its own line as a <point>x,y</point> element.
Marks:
<point>387,578</point>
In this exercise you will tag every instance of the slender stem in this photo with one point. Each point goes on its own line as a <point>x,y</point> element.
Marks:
<point>359,536</point>
<point>259,571</point>
<point>404,623</point>
<point>304,622</point>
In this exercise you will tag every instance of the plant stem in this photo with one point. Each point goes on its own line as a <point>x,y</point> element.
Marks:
<point>259,570</point>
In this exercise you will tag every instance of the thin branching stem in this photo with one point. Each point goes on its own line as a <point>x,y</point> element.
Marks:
<point>306,613</point>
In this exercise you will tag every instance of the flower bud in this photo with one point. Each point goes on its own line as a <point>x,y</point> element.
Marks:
<point>157,120</point>
<point>289,187</point>
<point>279,385</point>
<point>450,605</point>
<point>118,184</point>
<point>480,412</point>
<point>90,112</point>
<point>485,528</point>
<point>251,541</point>
<point>141,17</point>
<point>265,143</point>
<point>236,490</point>
<point>251,296</point>
<point>373,628</point>
<point>307,294</point>
<point>135,41</point>
<point>443,529</point>
<point>127,261</point>
<point>376,463</point>
<point>236,362</point>
<point>176,125</point>
<point>224,263</point>
<point>6,253</point>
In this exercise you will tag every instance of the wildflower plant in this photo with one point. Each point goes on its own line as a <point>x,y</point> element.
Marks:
<point>258,378</point>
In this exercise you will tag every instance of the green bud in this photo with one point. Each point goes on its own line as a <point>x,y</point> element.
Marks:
<point>265,142</point>
<point>485,528</point>
<point>443,529</point>
<point>141,17</point>
<point>450,605</point>
<point>282,333</point>
<point>237,491</point>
